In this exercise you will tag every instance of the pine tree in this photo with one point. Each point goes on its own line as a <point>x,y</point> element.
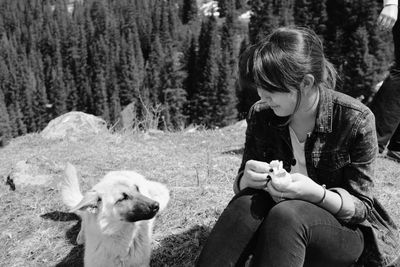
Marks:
<point>226,109</point>
<point>191,68</point>
<point>98,51</point>
<point>189,11</point>
<point>100,95</point>
<point>164,26</point>
<point>174,22</point>
<point>207,97</point>
<point>125,71</point>
<point>81,69</point>
<point>263,19</point>
<point>27,82</point>
<point>311,14</point>
<point>56,91</point>
<point>5,128</point>
<point>223,8</point>
<point>153,71</point>
<point>39,96</point>
<point>240,4</point>
<point>10,86</point>
<point>353,45</point>
<point>173,95</point>
<point>267,15</point>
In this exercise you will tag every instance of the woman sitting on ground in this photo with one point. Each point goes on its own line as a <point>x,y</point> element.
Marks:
<point>326,215</point>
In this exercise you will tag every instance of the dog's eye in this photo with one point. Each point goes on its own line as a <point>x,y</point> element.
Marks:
<point>124,197</point>
<point>98,199</point>
<point>137,188</point>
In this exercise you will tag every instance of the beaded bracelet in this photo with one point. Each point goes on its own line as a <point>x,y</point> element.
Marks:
<point>323,197</point>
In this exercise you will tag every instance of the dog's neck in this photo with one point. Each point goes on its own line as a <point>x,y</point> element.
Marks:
<point>120,244</point>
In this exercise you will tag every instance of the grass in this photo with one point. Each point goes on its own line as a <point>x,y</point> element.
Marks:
<point>198,168</point>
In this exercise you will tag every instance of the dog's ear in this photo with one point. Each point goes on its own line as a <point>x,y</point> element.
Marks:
<point>89,202</point>
<point>158,192</point>
<point>80,239</point>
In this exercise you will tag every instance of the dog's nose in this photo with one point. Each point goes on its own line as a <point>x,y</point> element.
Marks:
<point>155,207</point>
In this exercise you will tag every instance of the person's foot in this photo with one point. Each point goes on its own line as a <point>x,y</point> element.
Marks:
<point>393,155</point>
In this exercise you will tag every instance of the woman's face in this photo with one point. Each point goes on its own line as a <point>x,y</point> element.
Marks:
<point>283,104</point>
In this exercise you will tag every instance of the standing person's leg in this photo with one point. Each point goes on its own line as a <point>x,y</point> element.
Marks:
<point>386,103</point>
<point>235,228</point>
<point>394,144</point>
<point>297,233</point>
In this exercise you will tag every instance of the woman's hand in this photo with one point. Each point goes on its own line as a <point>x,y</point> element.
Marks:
<point>255,175</point>
<point>301,187</point>
<point>388,16</point>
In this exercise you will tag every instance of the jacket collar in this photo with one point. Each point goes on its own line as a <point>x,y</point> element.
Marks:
<point>323,123</point>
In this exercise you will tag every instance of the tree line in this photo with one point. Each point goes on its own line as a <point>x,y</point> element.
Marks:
<point>98,56</point>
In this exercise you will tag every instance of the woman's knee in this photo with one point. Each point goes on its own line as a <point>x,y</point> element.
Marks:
<point>288,215</point>
<point>254,202</point>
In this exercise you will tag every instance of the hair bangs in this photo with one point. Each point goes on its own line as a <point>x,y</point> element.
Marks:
<point>267,68</point>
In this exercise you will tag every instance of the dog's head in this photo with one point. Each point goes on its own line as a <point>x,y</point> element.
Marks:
<point>122,196</point>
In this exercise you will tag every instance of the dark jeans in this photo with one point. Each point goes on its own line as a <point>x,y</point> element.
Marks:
<point>386,103</point>
<point>288,234</point>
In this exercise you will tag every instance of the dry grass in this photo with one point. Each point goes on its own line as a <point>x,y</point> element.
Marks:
<point>198,168</point>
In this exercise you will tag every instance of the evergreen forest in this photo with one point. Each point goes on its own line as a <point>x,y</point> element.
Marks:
<point>165,56</point>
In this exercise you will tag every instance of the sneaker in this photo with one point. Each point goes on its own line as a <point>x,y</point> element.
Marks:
<point>393,155</point>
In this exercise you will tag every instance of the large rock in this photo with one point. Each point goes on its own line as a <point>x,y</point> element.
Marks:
<point>36,170</point>
<point>126,118</point>
<point>74,125</point>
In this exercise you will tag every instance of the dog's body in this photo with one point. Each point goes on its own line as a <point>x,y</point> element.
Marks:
<point>117,216</point>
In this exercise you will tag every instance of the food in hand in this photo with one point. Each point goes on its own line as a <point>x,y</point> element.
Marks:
<point>280,178</point>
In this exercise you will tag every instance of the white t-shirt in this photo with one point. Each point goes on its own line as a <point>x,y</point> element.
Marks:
<point>299,154</point>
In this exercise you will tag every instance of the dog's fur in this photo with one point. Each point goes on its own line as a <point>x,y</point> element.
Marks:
<point>117,216</point>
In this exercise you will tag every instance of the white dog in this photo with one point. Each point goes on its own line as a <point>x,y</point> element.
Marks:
<point>117,216</point>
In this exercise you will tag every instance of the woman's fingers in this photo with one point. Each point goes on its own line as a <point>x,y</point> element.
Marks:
<point>257,166</point>
<point>273,191</point>
<point>256,179</point>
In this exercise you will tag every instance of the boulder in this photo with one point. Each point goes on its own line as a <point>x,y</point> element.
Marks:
<point>126,118</point>
<point>74,125</point>
<point>35,170</point>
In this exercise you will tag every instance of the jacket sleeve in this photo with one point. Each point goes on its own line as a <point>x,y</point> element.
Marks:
<point>357,195</point>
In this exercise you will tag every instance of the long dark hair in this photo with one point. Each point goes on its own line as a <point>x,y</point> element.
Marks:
<point>279,62</point>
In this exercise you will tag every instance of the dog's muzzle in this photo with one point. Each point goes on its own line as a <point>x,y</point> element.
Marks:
<point>143,208</point>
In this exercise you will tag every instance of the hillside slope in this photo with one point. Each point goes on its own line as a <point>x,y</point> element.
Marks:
<point>198,168</point>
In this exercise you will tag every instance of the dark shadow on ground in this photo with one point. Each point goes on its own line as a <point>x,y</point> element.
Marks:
<point>180,249</point>
<point>60,216</point>
<point>75,256</point>
<point>238,151</point>
<point>174,250</point>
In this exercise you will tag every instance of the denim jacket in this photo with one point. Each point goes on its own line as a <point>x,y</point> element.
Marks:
<point>340,153</point>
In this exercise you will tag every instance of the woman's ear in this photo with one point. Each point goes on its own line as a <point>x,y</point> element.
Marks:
<point>307,83</point>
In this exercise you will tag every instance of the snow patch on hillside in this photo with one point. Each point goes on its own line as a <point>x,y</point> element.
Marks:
<point>209,8</point>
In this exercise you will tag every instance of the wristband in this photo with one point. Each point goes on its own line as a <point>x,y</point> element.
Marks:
<point>390,2</point>
<point>323,197</point>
